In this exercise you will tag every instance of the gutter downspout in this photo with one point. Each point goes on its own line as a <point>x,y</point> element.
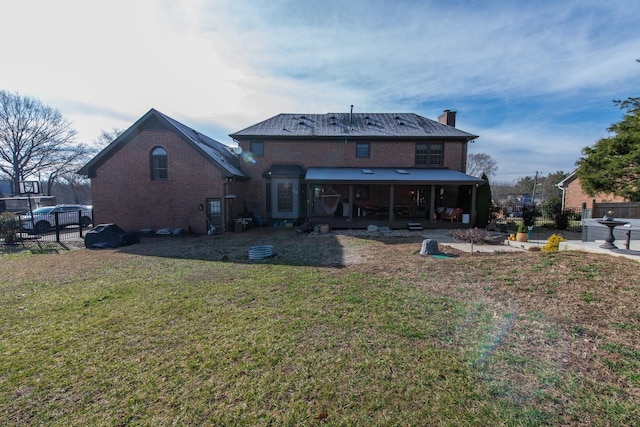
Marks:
<point>561,187</point>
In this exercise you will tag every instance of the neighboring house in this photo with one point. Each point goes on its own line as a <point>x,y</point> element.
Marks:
<point>5,188</point>
<point>574,197</point>
<point>356,167</point>
<point>160,173</point>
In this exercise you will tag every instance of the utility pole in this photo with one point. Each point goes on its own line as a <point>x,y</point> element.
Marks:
<point>533,197</point>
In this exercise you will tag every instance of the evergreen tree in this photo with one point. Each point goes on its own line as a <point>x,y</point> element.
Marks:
<point>483,203</point>
<point>613,164</point>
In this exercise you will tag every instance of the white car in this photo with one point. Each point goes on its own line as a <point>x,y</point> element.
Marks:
<point>45,218</point>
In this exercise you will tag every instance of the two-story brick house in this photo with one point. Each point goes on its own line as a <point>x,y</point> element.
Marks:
<point>159,174</point>
<point>349,169</point>
<point>357,167</point>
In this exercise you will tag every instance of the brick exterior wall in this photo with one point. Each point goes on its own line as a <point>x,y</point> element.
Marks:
<point>329,153</point>
<point>574,196</point>
<point>123,192</point>
<point>332,153</point>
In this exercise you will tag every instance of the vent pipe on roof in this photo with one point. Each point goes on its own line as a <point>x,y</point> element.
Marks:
<point>351,115</point>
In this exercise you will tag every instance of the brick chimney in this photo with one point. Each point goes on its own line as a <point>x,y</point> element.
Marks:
<point>448,117</point>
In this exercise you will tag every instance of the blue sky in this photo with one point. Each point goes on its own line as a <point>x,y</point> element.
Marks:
<point>535,79</point>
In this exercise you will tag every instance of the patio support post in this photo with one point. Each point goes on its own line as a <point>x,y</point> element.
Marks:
<point>310,192</point>
<point>391,202</point>
<point>351,203</point>
<point>474,189</point>
<point>432,203</point>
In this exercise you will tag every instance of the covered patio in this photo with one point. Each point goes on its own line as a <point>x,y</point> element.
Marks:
<point>391,197</point>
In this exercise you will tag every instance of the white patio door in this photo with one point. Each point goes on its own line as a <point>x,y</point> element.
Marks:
<point>284,198</point>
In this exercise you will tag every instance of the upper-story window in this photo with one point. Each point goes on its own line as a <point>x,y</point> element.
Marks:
<point>363,149</point>
<point>429,154</point>
<point>159,164</point>
<point>257,148</point>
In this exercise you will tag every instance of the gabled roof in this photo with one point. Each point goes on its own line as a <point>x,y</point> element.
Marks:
<point>391,175</point>
<point>565,182</point>
<point>216,152</point>
<point>350,125</point>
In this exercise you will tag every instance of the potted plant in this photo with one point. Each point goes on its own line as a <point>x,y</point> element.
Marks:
<point>523,234</point>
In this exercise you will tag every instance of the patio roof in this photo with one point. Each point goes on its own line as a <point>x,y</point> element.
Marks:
<point>390,176</point>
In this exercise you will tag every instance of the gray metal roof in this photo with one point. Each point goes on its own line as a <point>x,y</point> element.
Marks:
<point>368,125</point>
<point>215,150</point>
<point>390,175</point>
<point>218,153</point>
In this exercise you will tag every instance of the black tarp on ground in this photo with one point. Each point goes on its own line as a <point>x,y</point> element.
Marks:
<point>109,236</point>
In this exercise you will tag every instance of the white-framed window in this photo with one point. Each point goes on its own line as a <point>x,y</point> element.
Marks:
<point>159,169</point>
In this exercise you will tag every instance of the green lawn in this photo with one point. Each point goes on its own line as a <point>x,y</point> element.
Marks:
<point>116,338</point>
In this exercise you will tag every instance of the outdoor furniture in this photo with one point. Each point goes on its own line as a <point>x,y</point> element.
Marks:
<point>258,219</point>
<point>403,211</point>
<point>452,214</point>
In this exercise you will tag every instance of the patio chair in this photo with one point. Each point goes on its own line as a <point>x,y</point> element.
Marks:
<point>258,219</point>
<point>453,214</point>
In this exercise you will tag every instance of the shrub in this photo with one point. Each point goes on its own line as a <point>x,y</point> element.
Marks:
<point>522,228</point>
<point>561,220</point>
<point>9,226</point>
<point>553,243</point>
<point>471,235</point>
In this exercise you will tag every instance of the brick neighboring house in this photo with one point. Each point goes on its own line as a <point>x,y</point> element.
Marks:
<point>573,197</point>
<point>160,173</point>
<point>357,168</point>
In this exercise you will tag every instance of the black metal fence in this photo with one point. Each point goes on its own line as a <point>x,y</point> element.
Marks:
<point>570,220</point>
<point>57,227</point>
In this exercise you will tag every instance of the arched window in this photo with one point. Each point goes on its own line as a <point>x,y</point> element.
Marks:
<point>159,164</point>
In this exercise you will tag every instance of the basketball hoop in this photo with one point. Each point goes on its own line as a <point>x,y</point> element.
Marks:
<point>29,187</point>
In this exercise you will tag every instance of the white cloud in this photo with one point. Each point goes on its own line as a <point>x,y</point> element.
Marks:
<point>509,68</point>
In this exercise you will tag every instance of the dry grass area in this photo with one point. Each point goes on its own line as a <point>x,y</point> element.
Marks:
<point>579,312</point>
<point>557,332</point>
<point>569,311</point>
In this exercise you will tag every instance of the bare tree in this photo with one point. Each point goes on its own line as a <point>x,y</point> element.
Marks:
<point>479,163</point>
<point>107,137</point>
<point>34,138</point>
<point>65,162</point>
<point>73,188</point>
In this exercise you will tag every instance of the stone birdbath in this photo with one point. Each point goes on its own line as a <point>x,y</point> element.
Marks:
<point>611,223</point>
